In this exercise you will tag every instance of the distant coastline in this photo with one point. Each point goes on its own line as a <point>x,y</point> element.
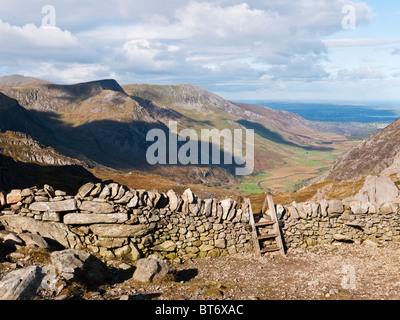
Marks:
<point>376,112</point>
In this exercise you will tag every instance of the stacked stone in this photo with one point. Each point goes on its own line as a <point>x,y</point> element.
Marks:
<point>327,222</point>
<point>115,221</point>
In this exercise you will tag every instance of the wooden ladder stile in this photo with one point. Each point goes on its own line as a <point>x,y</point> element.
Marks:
<point>263,223</point>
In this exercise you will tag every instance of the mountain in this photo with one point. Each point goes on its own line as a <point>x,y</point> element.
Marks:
<point>288,150</point>
<point>102,126</point>
<point>375,155</point>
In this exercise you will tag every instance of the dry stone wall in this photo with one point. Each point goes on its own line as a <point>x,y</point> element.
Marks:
<point>114,221</point>
<point>328,222</point>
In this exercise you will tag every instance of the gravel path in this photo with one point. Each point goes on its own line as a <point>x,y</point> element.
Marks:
<point>341,272</point>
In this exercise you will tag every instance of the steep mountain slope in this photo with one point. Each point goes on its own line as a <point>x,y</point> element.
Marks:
<point>371,157</point>
<point>104,125</point>
<point>189,97</point>
<point>96,123</point>
<point>287,148</point>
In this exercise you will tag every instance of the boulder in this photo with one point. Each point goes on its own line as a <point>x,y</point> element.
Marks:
<point>21,284</point>
<point>150,269</point>
<point>377,190</point>
<point>79,265</point>
<point>56,231</point>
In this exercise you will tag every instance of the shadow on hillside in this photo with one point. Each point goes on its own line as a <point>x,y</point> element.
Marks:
<point>20,175</point>
<point>119,145</point>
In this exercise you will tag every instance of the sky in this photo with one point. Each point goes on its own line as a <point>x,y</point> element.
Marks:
<point>330,50</point>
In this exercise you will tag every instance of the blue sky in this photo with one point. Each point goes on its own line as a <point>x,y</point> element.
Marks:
<point>242,50</point>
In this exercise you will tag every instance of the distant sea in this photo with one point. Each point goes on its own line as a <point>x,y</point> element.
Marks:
<point>372,112</point>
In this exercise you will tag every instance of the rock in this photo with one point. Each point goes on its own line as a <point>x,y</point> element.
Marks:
<point>96,207</point>
<point>21,284</point>
<point>53,230</point>
<point>342,237</point>
<point>150,269</point>
<point>49,190</point>
<point>194,209</point>
<point>133,202</point>
<point>14,196</point>
<point>51,216</point>
<point>323,204</point>
<point>188,196</point>
<point>60,193</point>
<point>220,243</point>
<point>27,193</point>
<point>357,207</point>
<point>94,218</point>
<point>206,247</point>
<point>120,194</point>
<point>34,240</point>
<point>370,243</point>
<point>119,230</point>
<point>96,190</point>
<point>12,241</point>
<point>226,205</point>
<point>126,198</point>
<point>207,207</point>
<point>85,190</point>
<point>106,192</point>
<point>388,207</point>
<point>175,200</point>
<point>114,188</point>
<point>79,265</point>
<point>2,199</point>
<point>56,206</point>
<point>167,246</point>
<point>377,190</point>
<point>50,280</point>
<point>280,211</point>
<point>293,213</point>
<point>335,207</point>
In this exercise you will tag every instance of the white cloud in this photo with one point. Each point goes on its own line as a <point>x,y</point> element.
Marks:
<point>69,73</point>
<point>31,36</point>
<point>362,42</point>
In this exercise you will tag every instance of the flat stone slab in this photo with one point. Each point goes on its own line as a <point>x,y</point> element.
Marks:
<point>56,206</point>
<point>119,230</point>
<point>96,207</point>
<point>52,230</point>
<point>95,218</point>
